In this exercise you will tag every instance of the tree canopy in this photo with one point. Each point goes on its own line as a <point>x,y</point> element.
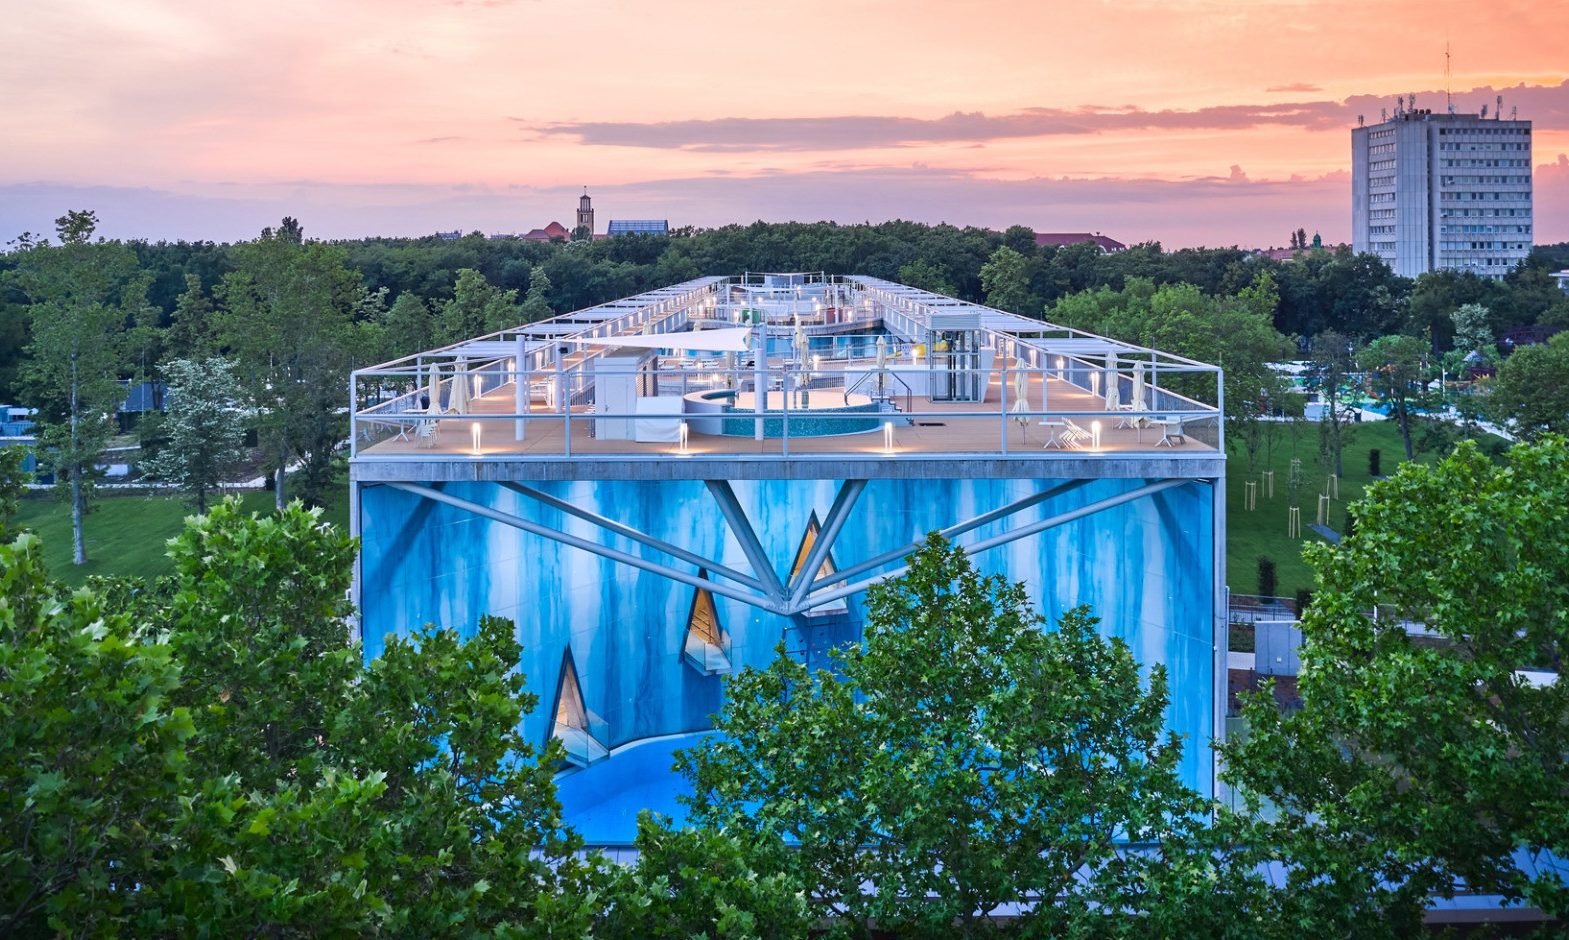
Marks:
<point>1424,759</point>
<point>961,758</point>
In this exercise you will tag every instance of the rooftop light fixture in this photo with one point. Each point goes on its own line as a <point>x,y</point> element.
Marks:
<point>476,433</point>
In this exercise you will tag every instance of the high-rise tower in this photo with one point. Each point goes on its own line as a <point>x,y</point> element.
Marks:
<point>1442,190</point>
<point>585,216</point>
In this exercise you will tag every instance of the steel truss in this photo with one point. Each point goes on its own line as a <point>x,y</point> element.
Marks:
<point>763,589</point>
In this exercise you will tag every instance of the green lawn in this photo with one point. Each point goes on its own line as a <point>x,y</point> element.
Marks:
<point>1263,530</point>
<point>126,534</point>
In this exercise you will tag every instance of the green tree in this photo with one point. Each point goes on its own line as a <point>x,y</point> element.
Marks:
<point>191,329</point>
<point>91,754</point>
<point>286,322</point>
<point>1396,366</point>
<point>536,305</point>
<point>12,480</point>
<point>702,883</point>
<point>1531,392</point>
<point>477,307</point>
<point>961,759</point>
<point>1472,331</point>
<point>1332,360</point>
<point>1020,238</point>
<point>204,428</point>
<point>1436,295</point>
<point>1415,761</point>
<point>211,759</point>
<point>81,293</point>
<point>422,813</point>
<point>409,326</point>
<point>1006,279</point>
<point>927,275</point>
<point>260,671</point>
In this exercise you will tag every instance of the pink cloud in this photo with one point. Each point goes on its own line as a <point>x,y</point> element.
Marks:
<point>1546,105</point>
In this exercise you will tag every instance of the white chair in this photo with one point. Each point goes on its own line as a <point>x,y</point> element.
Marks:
<point>1077,436</point>
<point>425,434</point>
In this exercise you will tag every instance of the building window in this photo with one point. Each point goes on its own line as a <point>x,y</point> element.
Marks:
<point>809,539</point>
<point>707,645</point>
<point>571,724</point>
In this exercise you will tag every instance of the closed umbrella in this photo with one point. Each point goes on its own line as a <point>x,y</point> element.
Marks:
<point>882,362</point>
<point>425,431</point>
<point>1021,397</point>
<point>1138,389</point>
<point>800,340</point>
<point>434,391</point>
<point>1113,385</point>
<point>458,401</point>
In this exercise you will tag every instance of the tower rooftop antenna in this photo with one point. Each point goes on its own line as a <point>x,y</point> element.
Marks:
<point>1449,97</point>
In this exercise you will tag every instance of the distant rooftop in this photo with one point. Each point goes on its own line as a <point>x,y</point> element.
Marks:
<point>1063,239</point>
<point>550,232</point>
<point>639,227</point>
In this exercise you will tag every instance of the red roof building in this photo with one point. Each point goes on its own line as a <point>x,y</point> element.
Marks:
<point>1063,239</point>
<point>550,232</point>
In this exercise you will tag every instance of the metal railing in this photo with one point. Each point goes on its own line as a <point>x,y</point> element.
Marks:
<point>562,412</point>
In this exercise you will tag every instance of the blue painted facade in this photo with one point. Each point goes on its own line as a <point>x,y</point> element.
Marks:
<point>1146,567</point>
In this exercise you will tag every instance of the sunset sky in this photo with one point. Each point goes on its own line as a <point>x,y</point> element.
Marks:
<point>1191,122</point>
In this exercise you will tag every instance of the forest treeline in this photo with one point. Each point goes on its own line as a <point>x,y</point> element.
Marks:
<point>1321,290</point>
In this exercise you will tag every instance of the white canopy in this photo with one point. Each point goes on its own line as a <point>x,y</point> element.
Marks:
<point>721,340</point>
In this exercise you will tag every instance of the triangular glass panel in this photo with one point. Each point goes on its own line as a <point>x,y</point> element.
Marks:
<point>808,540</point>
<point>571,725</point>
<point>707,645</point>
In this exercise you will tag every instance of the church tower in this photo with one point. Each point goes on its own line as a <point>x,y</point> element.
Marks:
<point>585,217</point>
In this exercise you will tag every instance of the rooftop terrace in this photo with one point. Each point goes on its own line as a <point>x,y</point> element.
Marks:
<point>858,373</point>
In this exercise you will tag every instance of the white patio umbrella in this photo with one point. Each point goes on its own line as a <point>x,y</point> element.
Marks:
<point>434,391</point>
<point>1113,385</point>
<point>1021,397</point>
<point>882,362</point>
<point>800,340</point>
<point>1138,388</point>
<point>458,401</point>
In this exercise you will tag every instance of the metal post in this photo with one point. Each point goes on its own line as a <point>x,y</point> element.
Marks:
<point>562,401</point>
<point>1220,619</point>
<point>354,421</point>
<point>759,378</point>
<point>356,587</point>
<point>1002,405</point>
<point>521,399</point>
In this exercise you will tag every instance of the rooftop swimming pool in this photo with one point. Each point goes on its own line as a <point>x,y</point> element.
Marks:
<point>818,412</point>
